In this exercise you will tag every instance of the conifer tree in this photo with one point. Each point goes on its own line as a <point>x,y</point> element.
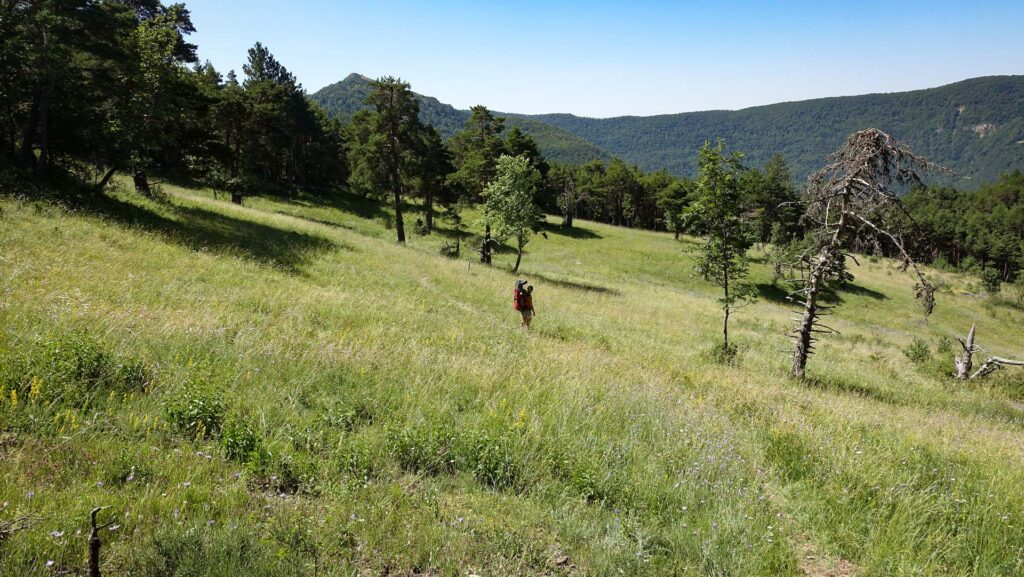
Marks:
<point>717,212</point>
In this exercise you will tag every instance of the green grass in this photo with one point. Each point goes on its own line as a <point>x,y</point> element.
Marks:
<point>280,389</point>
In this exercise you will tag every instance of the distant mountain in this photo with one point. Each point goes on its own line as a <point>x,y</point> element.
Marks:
<point>975,127</point>
<point>345,98</point>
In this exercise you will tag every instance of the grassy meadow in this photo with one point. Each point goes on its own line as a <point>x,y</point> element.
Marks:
<point>281,389</point>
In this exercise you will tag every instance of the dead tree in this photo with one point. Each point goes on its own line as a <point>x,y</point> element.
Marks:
<point>567,201</point>
<point>965,362</point>
<point>849,200</point>
<point>991,364</point>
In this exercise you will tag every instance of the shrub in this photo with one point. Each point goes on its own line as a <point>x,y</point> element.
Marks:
<point>991,281</point>
<point>917,351</point>
<point>492,459</point>
<point>349,417</point>
<point>71,369</point>
<point>1017,293</point>
<point>356,459</point>
<point>583,474</point>
<point>239,441</point>
<point>724,355</point>
<point>281,473</point>
<point>451,250</point>
<point>197,409</point>
<point>429,450</point>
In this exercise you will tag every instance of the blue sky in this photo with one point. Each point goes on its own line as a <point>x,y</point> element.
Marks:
<point>603,58</point>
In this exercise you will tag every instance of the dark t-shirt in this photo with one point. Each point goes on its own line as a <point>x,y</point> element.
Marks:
<point>527,302</point>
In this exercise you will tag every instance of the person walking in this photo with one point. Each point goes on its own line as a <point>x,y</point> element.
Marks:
<point>523,302</point>
<point>527,309</point>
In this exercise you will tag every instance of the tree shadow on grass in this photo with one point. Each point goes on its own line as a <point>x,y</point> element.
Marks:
<point>842,385</point>
<point>830,296</point>
<point>364,207</point>
<point>201,229</point>
<point>575,285</point>
<point>570,232</point>
<point>773,293</point>
<point>853,289</point>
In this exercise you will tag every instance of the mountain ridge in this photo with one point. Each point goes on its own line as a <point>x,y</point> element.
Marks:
<point>346,97</point>
<point>974,126</point>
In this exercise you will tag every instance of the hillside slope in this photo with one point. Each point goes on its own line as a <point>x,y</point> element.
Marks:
<point>280,389</point>
<point>975,127</point>
<point>347,97</point>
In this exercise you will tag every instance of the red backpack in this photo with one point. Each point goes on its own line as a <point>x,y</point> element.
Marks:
<point>519,296</point>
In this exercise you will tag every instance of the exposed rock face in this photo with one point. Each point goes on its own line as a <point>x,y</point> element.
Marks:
<point>984,129</point>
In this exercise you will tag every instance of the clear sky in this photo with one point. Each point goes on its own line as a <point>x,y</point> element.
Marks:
<point>603,58</point>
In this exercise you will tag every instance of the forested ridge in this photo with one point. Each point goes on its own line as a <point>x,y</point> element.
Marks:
<point>343,99</point>
<point>975,127</point>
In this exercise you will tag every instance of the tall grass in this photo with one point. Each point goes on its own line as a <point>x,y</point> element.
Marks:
<point>279,389</point>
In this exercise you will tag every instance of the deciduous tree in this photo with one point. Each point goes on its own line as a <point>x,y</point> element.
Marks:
<point>508,202</point>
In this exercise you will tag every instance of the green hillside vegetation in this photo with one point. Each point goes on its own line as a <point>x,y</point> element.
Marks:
<point>343,99</point>
<point>975,127</point>
<point>281,389</point>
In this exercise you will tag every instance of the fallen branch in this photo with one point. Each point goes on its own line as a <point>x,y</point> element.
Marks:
<point>993,364</point>
<point>964,363</point>
<point>8,528</point>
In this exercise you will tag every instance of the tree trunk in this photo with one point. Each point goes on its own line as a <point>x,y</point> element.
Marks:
<point>429,209</point>
<point>94,545</point>
<point>141,183</point>
<point>399,223</point>
<point>675,233</point>
<point>965,362</point>
<point>236,198</point>
<point>28,136</point>
<point>519,254</point>
<point>993,363</point>
<point>106,178</point>
<point>485,249</point>
<point>804,338</point>
<point>43,162</point>
<point>725,309</point>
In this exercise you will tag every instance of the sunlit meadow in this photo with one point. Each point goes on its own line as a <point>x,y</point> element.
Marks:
<point>280,389</point>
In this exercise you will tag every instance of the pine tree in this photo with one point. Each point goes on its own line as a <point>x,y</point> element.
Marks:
<point>386,159</point>
<point>717,212</point>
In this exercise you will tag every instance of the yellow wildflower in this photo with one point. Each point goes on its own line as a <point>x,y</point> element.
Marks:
<point>35,389</point>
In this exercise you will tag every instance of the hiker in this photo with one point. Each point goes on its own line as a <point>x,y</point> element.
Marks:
<point>523,302</point>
